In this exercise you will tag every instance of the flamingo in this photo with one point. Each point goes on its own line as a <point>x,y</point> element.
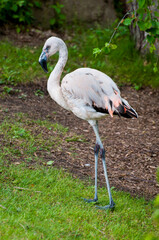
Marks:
<point>89,94</point>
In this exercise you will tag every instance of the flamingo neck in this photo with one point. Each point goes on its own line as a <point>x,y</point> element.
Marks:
<point>53,84</point>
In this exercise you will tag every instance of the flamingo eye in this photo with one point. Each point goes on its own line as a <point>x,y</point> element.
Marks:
<point>47,48</point>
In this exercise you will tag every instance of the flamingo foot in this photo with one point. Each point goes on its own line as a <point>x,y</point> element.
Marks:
<point>111,206</point>
<point>90,200</point>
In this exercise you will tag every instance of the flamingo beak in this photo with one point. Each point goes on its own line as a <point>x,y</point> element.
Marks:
<point>43,61</point>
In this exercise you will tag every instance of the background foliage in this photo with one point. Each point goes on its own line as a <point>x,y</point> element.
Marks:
<point>21,12</point>
<point>16,11</point>
<point>144,17</point>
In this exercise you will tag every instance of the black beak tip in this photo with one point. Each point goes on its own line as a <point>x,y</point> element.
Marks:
<point>43,61</point>
<point>43,64</point>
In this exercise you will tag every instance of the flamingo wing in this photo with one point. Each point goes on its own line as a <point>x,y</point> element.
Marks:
<point>91,89</point>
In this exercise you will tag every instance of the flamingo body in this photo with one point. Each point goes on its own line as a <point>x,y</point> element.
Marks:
<point>89,94</point>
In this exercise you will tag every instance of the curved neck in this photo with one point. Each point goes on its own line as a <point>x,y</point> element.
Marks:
<point>55,75</point>
<point>53,84</point>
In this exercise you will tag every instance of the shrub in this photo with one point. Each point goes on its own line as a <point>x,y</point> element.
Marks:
<point>16,11</point>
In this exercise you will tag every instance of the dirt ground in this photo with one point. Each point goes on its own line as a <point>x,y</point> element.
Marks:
<point>132,146</point>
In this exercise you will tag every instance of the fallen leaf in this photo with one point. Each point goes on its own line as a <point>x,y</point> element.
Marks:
<point>50,163</point>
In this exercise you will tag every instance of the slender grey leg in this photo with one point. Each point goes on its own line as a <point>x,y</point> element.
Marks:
<point>102,152</point>
<point>96,151</point>
<point>111,202</point>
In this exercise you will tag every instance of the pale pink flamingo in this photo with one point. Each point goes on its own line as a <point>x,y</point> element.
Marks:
<point>89,94</point>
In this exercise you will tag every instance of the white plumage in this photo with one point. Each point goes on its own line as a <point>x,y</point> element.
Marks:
<point>88,93</point>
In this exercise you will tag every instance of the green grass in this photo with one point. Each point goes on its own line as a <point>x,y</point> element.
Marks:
<point>49,205</point>
<point>37,201</point>
<point>24,138</point>
<point>125,65</point>
<point>19,65</point>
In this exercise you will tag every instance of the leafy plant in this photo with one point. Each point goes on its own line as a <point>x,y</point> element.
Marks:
<point>39,93</point>
<point>137,86</point>
<point>106,49</point>
<point>7,90</point>
<point>59,19</point>
<point>146,19</point>
<point>17,11</point>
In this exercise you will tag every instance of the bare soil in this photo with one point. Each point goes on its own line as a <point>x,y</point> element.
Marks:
<point>132,145</point>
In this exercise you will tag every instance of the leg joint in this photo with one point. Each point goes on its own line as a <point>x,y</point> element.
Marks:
<point>102,153</point>
<point>96,148</point>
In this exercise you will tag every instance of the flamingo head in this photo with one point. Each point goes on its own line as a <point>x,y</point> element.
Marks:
<point>50,47</point>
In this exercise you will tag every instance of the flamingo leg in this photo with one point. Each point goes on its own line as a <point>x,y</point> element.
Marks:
<point>111,202</point>
<point>96,151</point>
<point>98,146</point>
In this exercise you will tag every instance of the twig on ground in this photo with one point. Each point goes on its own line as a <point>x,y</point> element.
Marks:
<point>22,226</point>
<point>27,189</point>
<point>98,230</point>
<point>2,206</point>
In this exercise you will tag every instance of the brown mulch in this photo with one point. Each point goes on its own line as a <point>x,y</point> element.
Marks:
<point>132,153</point>
<point>132,145</point>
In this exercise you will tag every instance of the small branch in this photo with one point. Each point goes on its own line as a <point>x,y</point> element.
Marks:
<point>2,206</point>
<point>118,26</point>
<point>22,226</point>
<point>27,189</point>
<point>98,230</point>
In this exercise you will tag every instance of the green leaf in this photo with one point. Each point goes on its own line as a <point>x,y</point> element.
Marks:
<point>106,50</point>
<point>113,46</point>
<point>156,14</point>
<point>62,16</point>
<point>49,163</point>
<point>15,16</point>
<point>150,39</point>
<point>140,16</point>
<point>127,21</point>
<point>137,87</point>
<point>21,3</point>
<point>154,31</point>
<point>140,11</point>
<point>107,45</point>
<point>14,8</point>
<point>37,4</point>
<point>144,25</point>
<point>152,48</point>
<point>155,24</point>
<point>7,89</point>
<point>155,69</point>
<point>141,3</point>
<point>52,21</point>
<point>96,51</point>
<point>141,25</point>
<point>18,29</point>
